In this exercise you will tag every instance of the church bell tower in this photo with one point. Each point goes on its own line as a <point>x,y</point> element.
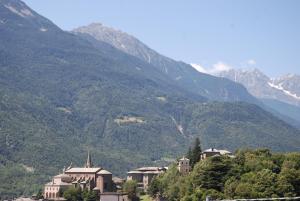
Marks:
<point>88,161</point>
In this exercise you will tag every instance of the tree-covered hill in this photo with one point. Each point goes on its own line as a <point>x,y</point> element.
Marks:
<point>251,174</point>
<point>61,96</point>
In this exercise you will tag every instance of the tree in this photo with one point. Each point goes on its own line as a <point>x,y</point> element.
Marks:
<point>154,187</point>
<point>189,153</point>
<point>73,194</point>
<point>212,173</point>
<point>91,196</point>
<point>195,152</point>
<point>130,187</point>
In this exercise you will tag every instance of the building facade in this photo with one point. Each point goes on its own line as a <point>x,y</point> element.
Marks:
<point>144,175</point>
<point>184,165</point>
<point>215,152</point>
<point>87,177</point>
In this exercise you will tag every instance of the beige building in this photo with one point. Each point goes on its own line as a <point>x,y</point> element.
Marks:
<point>184,165</point>
<point>215,152</point>
<point>145,175</point>
<point>87,177</point>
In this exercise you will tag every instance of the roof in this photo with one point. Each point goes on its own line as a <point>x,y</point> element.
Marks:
<point>184,158</point>
<point>211,150</point>
<point>149,168</point>
<point>153,172</point>
<point>104,172</point>
<point>83,170</point>
<point>134,172</point>
<point>223,152</point>
<point>60,183</point>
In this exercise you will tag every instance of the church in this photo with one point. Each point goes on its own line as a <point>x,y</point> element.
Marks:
<point>87,177</point>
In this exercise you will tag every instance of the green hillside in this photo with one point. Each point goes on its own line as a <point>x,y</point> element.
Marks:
<point>60,96</point>
<point>251,174</point>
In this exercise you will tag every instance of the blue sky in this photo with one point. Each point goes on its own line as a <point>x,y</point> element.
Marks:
<point>214,33</point>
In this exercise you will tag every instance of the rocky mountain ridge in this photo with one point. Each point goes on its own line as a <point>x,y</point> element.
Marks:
<point>62,94</point>
<point>285,88</point>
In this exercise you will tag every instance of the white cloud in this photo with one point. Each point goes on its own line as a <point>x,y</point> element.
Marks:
<point>199,68</point>
<point>215,69</point>
<point>220,67</point>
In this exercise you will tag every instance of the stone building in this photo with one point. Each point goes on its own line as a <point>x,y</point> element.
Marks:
<point>87,177</point>
<point>215,152</point>
<point>58,184</point>
<point>184,165</point>
<point>144,175</point>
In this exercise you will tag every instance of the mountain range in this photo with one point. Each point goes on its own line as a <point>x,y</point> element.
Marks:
<point>281,94</point>
<point>64,93</point>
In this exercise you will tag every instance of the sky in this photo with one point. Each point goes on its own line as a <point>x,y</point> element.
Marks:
<point>213,34</point>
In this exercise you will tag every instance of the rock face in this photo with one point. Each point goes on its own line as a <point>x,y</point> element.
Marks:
<point>183,74</point>
<point>285,89</point>
<point>281,94</point>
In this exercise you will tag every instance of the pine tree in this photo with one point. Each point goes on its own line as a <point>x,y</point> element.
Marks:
<point>189,153</point>
<point>195,152</point>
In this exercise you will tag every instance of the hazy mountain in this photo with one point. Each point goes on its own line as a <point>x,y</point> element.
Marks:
<point>281,94</point>
<point>61,95</point>
<point>285,89</point>
<point>183,74</point>
<point>288,84</point>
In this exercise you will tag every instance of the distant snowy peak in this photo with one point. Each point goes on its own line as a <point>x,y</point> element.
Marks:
<point>279,87</point>
<point>285,88</point>
<point>290,82</point>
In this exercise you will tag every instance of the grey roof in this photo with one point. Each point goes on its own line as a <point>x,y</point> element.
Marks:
<point>104,172</point>
<point>60,183</point>
<point>149,168</point>
<point>83,170</point>
<point>134,172</point>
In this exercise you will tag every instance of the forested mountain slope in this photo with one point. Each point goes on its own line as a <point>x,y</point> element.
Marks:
<point>61,96</point>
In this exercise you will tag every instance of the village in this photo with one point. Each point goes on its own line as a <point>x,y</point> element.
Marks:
<point>107,187</point>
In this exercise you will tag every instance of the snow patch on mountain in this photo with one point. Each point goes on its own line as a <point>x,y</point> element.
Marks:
<point>24,12</point>
<point>42,29</point>
<point>198,67</point>
<point>279,87</point>
<point>214,70</point>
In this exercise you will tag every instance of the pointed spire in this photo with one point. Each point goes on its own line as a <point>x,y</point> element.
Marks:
<point>70,166</point>
<point>88,161</point>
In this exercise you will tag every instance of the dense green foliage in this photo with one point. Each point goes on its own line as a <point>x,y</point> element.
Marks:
<point>76,194</point>
<point>250,174</point>
<point>131,188</point>
<point>60,96</point>
<point>194,153</point>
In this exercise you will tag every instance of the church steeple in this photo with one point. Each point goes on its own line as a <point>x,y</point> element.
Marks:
<point>89,161</point>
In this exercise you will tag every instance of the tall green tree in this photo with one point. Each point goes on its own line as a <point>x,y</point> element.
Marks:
<point>195,153</point>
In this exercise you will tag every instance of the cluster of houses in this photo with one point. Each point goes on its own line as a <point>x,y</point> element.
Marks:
<point>108,187</point>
